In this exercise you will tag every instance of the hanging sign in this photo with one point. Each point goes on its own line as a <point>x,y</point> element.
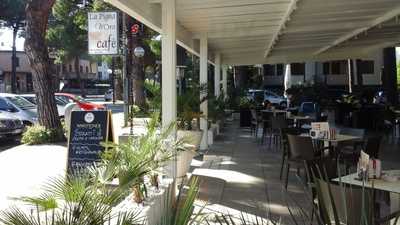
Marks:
<point>103,33</point>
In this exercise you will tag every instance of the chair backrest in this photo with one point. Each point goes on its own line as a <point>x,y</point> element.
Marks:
<point>353,206</point>
<point>278,122</point>
<point>253,114</point>
<point>352,132</point>
<point>300,147</point>
<point>372,145</point>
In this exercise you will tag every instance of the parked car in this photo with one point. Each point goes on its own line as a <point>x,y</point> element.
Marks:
<point>10,126</point>
<point>82,103</point>
<point>108,96</point>
<point>19,107</point>
<point>267,96</point>
<point>60,104</point>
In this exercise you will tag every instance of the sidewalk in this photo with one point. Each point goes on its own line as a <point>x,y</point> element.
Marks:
<point>239,174</point>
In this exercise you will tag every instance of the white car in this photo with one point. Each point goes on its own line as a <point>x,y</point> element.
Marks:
<point>267,96</point>
<point>60,104</point>
<point>19,107</point>
<point>108,96</point>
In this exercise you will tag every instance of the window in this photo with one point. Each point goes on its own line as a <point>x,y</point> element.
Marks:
<point>99,75</point>
<point>269,70</point>
<point>273,70</point>
<point>279,69</point>
<point>367,67</point>
<point>87,69</point>
<point>326,66</point>
<point>81,69</point>
<point>98,63</point>
<point>16,61</point>
<point>4,105</point>
<point>339,67</point>
<point>64,67</point>
<point>70,68</point>
<point>298,68</point>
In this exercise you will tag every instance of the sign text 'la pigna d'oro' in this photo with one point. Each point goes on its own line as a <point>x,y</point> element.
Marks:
<point>87,130</point>
<point>103,33</point>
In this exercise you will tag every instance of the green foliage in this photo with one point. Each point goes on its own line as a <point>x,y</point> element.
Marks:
<point>12,12</point>
<point>216,107</point>
<point>189,105</point>
<point>153,91</point>
<point>141,155</point>
<point>37,134</point>
<point>67,31</point>
<point>73,200</point>
<point>182,213</point>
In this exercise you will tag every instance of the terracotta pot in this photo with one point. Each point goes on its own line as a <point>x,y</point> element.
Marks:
<point>137,194</point>
<point>154,180</point>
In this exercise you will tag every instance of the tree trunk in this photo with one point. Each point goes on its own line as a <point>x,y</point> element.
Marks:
<point>37,12</point>
<point>78,75</point>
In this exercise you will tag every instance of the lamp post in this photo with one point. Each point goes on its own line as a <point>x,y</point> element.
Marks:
<point>139,53</point>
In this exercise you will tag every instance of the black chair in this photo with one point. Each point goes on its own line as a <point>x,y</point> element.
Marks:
<point>255,122</point>
<point>278,123</point>
<point>301,149</point>
<point>371,146</point>
<point>266,120</point>
<point>285,144</point>
<point>340,204</point>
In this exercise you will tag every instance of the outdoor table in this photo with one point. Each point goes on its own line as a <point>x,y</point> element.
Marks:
<point>276,111</point>
<point>334,142</point>
<point>392,187</point>
<point>299,120</point>
<point>339,138</point>
<point>378,184</point>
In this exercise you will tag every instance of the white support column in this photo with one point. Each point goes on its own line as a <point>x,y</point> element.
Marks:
<point>225,80</point>
<point>168,62</point>
<point>203,81</point>
<point>217,75</point>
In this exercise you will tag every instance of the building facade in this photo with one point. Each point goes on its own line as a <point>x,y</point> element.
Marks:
<point>24,83</point>
<point>23,73</point>
<point>332,73</point>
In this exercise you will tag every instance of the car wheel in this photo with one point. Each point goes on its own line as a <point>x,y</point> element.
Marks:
<point>283,104</point>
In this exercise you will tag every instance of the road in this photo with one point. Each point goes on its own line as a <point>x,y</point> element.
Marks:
<point>8,143</point>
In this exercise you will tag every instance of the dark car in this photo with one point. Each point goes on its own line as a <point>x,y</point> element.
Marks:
<point>10,126</point>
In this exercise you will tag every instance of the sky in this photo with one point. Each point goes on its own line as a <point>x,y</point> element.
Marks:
<point>398,53</point>
<point>6,40</point>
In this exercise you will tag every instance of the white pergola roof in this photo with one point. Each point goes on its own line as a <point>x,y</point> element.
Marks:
<point>248,32</point>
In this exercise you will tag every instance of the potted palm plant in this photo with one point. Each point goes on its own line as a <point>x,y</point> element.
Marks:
<point>142,156</point>
<point>189,115</point>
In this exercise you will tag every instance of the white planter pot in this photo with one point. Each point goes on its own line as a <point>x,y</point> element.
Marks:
<point>183,161</point>
<point>210,136</point>
<point>193,138</point>
<point>140,122</point>
<point>215,128</point>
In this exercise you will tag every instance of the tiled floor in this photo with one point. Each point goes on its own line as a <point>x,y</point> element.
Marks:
<point>240,174</point>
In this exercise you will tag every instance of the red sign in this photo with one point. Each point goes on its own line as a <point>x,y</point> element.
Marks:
<point>135,28</point>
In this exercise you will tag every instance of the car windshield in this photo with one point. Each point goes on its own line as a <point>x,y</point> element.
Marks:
<point>20,102</point>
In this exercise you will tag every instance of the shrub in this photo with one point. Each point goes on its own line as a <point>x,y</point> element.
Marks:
<point>37,135</point>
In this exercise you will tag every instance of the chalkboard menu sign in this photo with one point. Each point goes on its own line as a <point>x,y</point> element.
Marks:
<point>87,130</point>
